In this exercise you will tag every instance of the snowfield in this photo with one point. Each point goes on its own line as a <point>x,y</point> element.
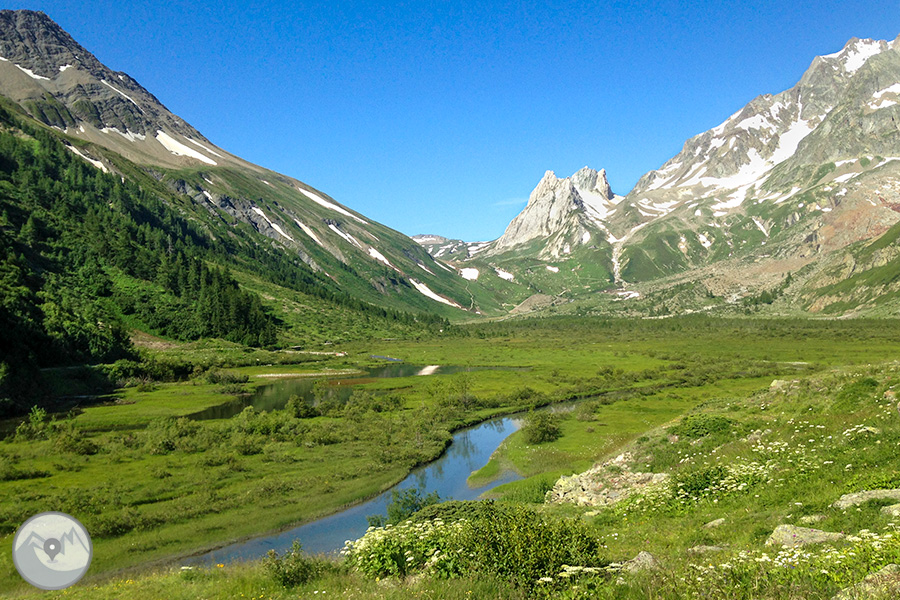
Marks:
<point>309,232</point>
<point>426,291</point>
<point>330,205</point>
<point>179,149</point>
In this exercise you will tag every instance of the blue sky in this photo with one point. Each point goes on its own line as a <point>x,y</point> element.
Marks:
<point>441,117</point>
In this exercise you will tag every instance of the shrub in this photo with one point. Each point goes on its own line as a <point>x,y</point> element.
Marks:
<point>217,377</point>
<point>300,408</point>
<point>69,439</point>
<point>403,505</point>
<point>698,426</point>
<point>541,426</point>
<point>697,483</point>
<point>37,426</point>
<point>294,568</point>
<point>509,542</point>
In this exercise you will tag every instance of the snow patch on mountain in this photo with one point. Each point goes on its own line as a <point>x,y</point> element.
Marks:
<point>504,274</point>
<point>380,257</point>
<point>121,93</point>
<point>553,269</point>
<point>330,205</point>
<point>274,226</point>
<point>860,53</point>
<point>469,273</point>
<point>204,147</point>
<point>96,163</point>
<point>31,73</point>
<point>179,149</point>
<point>309,232</point>
<point>423,289</point>
<point>128,135</point>
<point>344,235</point>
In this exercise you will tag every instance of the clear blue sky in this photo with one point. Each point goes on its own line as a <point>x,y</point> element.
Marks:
<point>440,117</point>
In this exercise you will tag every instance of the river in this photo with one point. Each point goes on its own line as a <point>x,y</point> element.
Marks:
<point>470,450</point>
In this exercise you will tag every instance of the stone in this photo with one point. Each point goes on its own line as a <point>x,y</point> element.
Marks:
<point>848,500</point>
<point>884,583</point>
<point>791,535</point>
<point>604,484</point>
<point>644,561</point>
<point>714,524</point>
<point>810,519</point>
<point>892,511</point>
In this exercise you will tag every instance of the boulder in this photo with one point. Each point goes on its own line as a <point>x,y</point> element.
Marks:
<point>714,524</point>
<point>644,561</point>
<point>848,500</point>
<point>810,519</point>
<point>791,535</point>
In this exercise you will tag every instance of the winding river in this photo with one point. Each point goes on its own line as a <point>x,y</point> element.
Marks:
<point>470,450</point>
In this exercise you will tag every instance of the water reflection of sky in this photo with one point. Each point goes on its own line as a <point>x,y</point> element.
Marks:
<point>471,449</point>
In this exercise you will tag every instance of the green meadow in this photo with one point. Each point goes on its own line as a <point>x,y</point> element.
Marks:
<point>153,486</point>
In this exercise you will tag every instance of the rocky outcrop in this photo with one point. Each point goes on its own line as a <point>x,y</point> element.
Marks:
<point>562,213</point>
<point>848,500</point>
<point>791,535</point>
<point>603,485</point>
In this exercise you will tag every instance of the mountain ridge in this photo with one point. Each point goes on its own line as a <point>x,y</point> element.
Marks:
<point>788,181</point>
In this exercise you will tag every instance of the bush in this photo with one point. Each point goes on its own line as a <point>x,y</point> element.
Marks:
<point>403,505</point>
<point>698,426</point>
<point>541,426</point>
<point>299,408</point>
<point>217,377</point>
<point>37,427</point>
<point>294,568</point>
<point>695,484</point>
<point>508,542</point>
<point>69,439</point>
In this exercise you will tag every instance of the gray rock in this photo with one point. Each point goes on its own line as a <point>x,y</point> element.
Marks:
<point>791,535</point>
<point>892,511</point>
<point>644,561</point>
<point>714,524</point>
<point>810,519</point>
<point>848,500</point>
<point>885,582</point>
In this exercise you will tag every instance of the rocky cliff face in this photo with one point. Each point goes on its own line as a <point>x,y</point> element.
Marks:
<point>565,212</point>
<point>63,85</point>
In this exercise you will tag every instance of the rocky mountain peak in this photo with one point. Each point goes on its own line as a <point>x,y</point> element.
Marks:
<point>561,208</point>
<point>60,83</point>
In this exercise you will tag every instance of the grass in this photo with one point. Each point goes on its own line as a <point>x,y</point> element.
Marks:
<point>644,374</point>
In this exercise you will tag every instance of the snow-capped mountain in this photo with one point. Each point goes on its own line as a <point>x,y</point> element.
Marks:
<point>786,184</point>
<point>104,116</point>
<point>562,213</point>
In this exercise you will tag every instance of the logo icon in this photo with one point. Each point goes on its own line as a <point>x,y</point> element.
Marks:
<point>52,550</point>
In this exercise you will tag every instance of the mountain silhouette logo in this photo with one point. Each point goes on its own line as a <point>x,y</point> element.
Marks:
<point>52,550</point>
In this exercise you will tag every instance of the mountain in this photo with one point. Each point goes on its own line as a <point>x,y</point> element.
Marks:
<point>109,120</point>
<point>789,196</point>
<point>562,213</point>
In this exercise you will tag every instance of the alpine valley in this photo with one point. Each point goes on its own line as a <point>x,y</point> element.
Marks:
<point>225,374</point>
